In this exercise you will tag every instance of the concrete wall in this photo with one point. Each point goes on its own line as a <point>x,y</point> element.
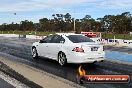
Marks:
<point>119,42</point>
<point>22,36</point>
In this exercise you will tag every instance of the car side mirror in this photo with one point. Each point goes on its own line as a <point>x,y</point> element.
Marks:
<point>62,41</point>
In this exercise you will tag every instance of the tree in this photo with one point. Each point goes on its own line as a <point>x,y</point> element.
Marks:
<point>116,24</point>
<point>121,23</point>
<point>44,24</point>
<point>27,26</point>
<point>4,27</point>
<point>68,22</point>
<point>88,23</point>
<point>59,22</point>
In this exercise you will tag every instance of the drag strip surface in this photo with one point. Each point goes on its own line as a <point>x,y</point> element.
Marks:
<point>120,49</point>
<point>21,50</point>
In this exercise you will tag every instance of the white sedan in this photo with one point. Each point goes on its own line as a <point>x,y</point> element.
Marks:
<point>68,48</point>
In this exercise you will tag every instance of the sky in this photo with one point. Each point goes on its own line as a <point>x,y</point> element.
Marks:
<point>33,10</point>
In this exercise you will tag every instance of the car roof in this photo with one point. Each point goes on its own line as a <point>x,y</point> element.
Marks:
<point>67,34</point>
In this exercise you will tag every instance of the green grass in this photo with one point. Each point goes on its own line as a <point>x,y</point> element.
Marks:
<point>117,36</point>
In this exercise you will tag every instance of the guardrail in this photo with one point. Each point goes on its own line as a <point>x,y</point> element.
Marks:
<point>120,42</point>
<point>22,36</point>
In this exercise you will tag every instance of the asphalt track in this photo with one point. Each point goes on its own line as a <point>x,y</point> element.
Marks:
<point>20,51</point>
<point>119,49</point>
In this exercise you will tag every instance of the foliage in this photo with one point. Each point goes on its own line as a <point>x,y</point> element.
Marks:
<point>121,24</point>
<point>117,36</point>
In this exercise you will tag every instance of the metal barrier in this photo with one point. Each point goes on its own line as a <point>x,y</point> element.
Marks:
<point>22,36</point>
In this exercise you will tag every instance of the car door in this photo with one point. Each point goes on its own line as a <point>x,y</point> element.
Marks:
<point>43,46</point>
<point>55,46</point>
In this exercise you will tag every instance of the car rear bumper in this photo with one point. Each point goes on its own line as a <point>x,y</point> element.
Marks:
<point>92,60</point>
<point>83,58</point>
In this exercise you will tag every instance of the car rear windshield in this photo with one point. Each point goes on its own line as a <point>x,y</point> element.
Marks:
<point>79,38</point>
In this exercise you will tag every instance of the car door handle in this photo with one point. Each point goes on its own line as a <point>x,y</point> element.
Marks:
<point>46,46</point>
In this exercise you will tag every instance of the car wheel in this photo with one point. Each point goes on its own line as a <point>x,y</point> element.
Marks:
<point>62,59</point>
<point>34,53</point>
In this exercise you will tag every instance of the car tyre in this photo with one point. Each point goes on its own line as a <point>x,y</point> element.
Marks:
<point>34,53</point>
<point>62,59</point>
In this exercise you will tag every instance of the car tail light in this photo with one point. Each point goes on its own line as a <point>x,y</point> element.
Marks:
<point>77,49</point>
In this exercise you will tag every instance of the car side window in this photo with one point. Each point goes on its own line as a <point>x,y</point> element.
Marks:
<point>57,39</point>
<point>61,39</point>
<point>47,39</point>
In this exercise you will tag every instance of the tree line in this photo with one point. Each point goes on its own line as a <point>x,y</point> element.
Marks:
<point>121,23</point>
